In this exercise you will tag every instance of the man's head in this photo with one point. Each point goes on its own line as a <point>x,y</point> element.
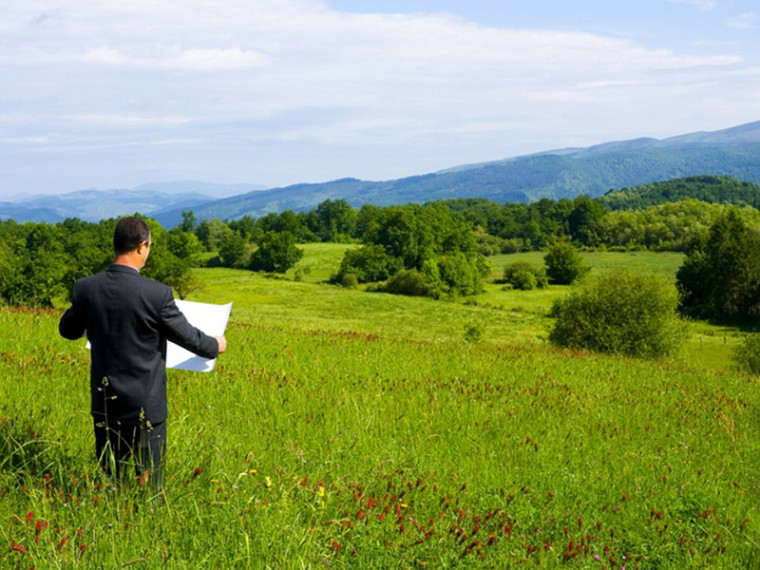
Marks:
<point>130,233</point>
<point>131,242</point>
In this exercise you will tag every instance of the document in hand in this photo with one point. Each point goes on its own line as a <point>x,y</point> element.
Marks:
<point>211,319</point>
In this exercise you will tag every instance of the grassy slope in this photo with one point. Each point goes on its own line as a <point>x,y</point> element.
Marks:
<point>353,429</point>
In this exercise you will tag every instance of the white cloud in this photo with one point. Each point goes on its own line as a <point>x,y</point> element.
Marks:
<point>747,21</point>
<point>247,72</point>
<point>701,4</point>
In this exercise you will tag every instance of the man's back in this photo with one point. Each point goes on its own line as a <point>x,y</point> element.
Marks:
<point>128,320</point>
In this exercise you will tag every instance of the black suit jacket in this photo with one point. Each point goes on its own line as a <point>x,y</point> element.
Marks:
<point>128,319</point>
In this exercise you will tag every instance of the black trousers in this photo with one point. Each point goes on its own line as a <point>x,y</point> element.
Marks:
<point>119,444</point>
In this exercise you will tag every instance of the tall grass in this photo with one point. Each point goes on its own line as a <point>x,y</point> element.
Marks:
<point>358,440</point>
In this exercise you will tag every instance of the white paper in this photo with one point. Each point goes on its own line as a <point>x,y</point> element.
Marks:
<point>212,320</point>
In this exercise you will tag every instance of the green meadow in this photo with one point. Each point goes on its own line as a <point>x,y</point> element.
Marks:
<point>351,429</point>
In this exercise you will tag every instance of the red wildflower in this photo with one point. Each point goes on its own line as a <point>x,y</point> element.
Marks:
<point>16,547</point>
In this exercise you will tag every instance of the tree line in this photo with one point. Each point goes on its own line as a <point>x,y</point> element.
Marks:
<point>438,249</point>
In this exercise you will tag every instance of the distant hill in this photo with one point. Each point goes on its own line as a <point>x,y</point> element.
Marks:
<point>563,173</point>
<point>713,189</point>
<point>94,205</point>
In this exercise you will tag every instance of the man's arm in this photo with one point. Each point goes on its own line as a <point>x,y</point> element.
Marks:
<point>72,324</point>
<point>178,330</point>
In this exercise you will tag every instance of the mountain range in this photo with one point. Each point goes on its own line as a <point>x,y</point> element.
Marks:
<point>563,173</point>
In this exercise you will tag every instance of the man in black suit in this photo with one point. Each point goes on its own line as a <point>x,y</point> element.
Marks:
<point>128,319</point>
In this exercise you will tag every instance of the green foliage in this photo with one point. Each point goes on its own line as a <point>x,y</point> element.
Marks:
<point>473,332</point>
<point>210,233</point>
<point>746,355</point>
<point>277,252</point>
<point>185,245</point>
<point>720,279</point>
<point>408,282</point>
<point>525,276</point>
<point>624,313</point>
<point>335,221</point>
<point>165,266</point>
<point>232,249</point>
<point>710,189</point>
<point>368,263</point>
<point>564,264</point>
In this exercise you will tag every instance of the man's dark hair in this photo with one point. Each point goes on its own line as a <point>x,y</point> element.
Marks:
<point>130,232</point>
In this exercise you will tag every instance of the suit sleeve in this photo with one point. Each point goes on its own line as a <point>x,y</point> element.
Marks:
<point>73,323</point>
<point>179,331</point>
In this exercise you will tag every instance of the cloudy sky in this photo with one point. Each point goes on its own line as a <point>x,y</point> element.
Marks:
<point>116,93</point>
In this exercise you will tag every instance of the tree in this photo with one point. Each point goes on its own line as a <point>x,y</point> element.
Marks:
<point>232,248</point>
<point>583,221</point>
<point>336,221</point>
<point>626,313</point>
<point>564,264</point>
<point>188,221</point>
<point>185,245</point>
<point>277,252</point>
<point>720,279</point>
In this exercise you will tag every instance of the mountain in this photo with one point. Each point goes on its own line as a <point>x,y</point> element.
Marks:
<point>554,174</point>
<point>563,173</point>
<point>711,189</point>
<point>94,205</point>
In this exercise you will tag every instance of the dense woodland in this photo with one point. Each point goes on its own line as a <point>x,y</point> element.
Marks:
<point>439,249</point>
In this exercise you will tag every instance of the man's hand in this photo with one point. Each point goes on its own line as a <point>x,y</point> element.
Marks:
<point>222,343</point>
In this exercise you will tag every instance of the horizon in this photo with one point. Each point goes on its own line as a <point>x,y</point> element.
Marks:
<point>307,91</point>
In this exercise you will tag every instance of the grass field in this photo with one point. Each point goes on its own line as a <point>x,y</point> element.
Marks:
<point>360,430</point>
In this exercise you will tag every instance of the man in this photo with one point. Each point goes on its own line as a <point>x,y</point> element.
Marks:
<point>128,319</point>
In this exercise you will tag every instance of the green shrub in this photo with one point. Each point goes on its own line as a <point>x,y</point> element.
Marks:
<point>622,313</point>
<point>746,356</point>
<point>349,281</point>
<point>525,276</point>
<point>473,332</point>
<point>408,282</point>
<point>564,264</point>
<point>368,263</point>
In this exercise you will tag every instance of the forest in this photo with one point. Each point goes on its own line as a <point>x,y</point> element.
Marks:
<point>438,249</point>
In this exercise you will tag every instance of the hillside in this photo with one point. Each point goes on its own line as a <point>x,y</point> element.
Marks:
<point>556,174</point>
<point>563,173</point>
<point>712,189</point>
<point>94,205</point>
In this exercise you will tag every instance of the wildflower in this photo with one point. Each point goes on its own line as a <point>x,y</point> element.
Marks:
<point>16,547</point>
<point>267,481</point>
<point>29,517</point>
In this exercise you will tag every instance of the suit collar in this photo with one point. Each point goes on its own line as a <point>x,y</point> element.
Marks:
<point>123,269</point>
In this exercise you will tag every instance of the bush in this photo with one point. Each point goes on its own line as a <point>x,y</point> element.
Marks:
<point>564,264</point>
<point>624,313</point>
<point>525,276</point>
<point>456,274</point>
<point>408,282</point>
<point>747,355</point>
<point>349,281</point>
<point>368,263</point>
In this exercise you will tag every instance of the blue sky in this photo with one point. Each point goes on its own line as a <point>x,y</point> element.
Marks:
<point>275,92</point>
